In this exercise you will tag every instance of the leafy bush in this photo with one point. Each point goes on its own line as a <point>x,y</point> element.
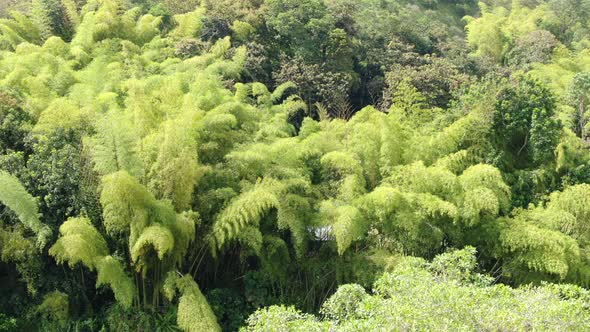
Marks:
<point>415,297</point>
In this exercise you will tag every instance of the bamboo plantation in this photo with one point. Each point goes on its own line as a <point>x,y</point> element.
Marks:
<point>294,165</point>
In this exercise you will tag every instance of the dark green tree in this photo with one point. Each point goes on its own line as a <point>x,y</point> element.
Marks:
<point>525,129</point>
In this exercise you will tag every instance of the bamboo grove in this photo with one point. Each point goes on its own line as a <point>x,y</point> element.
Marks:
<point>158,173</point>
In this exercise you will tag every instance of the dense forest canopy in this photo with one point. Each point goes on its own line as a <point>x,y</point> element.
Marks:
<point>306,165</point>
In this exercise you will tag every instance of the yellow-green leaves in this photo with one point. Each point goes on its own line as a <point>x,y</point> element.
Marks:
<point>147,27</point>
<point>194,313</point>
<point>491,34</point>
<point>72,12</point>
<point>416,177</point>
<point>112,273</point>
<point>550,240</point>
<point>537,249</point>
<point>486,176</point>
<point>175,171</point>
<point>346,171</point>
<point>188,24</point>
<point>17,30</point>
<point>575,201</point>
<point>150,224</point>
<point>113,147</point>
<point>14,196</point>
<point>479,202</point>
<point>484,34</point>
<point>242,30</point>
<point>55,307</point>
<point>125,202</point>
<point>80,242</point>
<point>246,209</point>
<point>347,223</point>
<point>157,237</point>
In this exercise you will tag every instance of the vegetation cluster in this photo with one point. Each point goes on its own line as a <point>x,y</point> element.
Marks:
<point>294,165</point>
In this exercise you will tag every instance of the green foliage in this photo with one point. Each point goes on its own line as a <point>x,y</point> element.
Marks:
<point>188,24</point>
<point>40,12</point>
<point>242,30</point>
<point>498,28</point>
<point>343,304</point>
<point>175,172</point>
<point>111,273</point>
<point>158,237</point>
<point>549,242</point>
<point>433,296</point>
<point>228,306</point>
<point>246,210</point>
<point>15,123</point>
<point>80,242</point>
<point>55,307</point>
<point>283,318</point>
<point>120,319</point>
<point>298,22</point>
<point>347,226</point>
<point>112,148</point>
<point>21,28</point>
<point>168,145</point>
<point>552,255</point>
<point>534,48</point>
<point>194,313</point>
<point>7,323</point>
<point>126,203</point>
<point>14,196</point>
<point>524,123</point>
<point>578,99</point>
<point>407,100</point>
<point>433,82</point>
<point>459,266</point>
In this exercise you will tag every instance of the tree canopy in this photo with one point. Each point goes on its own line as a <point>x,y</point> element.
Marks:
<point>294,165</point>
